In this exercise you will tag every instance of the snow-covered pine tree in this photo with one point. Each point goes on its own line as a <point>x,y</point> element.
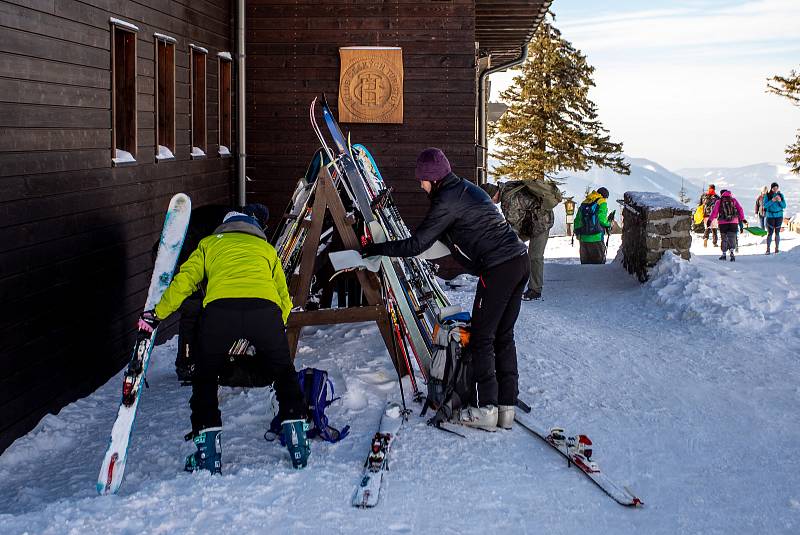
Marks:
<point>551,124</point>
<point>789,87</point>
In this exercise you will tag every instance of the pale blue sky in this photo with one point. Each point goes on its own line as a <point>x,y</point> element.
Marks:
<point>683,82</point>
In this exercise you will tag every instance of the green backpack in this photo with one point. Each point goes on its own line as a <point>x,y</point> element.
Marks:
<point>528,205</point>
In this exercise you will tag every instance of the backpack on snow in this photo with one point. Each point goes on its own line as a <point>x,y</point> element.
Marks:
<point>528,205</point>
<point>318,394</point>
<point>590,220</point>
<point>449,385</point>
<point>727,210</point>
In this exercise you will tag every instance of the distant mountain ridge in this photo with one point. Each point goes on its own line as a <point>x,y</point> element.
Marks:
<point>647,175</point>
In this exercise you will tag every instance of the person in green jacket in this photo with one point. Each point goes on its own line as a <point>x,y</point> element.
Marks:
<point>246,298</point>
<point>591,225</point>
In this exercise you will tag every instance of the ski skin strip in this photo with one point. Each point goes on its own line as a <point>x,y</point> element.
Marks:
<point>368,491</point>
<point>619,494</point>
<point>112,469</point>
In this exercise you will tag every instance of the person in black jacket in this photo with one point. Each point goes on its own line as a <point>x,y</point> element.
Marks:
<point>464,217</point>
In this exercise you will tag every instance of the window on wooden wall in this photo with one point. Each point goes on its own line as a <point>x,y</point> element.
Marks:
<point>165,97</point>
<point>198,67</point>
<point>123,91</point>
<point>225,125</point>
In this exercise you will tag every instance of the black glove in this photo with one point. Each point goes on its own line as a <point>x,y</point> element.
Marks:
<point>370,249</point>
<point>148,321</point>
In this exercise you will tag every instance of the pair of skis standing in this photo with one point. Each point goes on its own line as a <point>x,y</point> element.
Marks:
<point>417,285</point>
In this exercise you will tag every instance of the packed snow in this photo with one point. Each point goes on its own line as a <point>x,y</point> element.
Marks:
<point>688,385</point>
<point>122,156</point>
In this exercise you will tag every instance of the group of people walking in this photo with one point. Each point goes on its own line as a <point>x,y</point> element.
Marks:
<point>724,215</point>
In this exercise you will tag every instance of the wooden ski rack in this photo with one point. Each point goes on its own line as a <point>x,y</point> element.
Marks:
<point>327,199</point>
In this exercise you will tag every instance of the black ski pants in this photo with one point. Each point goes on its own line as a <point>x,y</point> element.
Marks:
<point>224,322</point>
<point>492,348</point>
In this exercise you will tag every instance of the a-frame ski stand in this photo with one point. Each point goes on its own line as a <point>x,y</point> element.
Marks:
<point>326,199</point>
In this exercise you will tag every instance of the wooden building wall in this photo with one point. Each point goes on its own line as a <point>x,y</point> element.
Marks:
<point>75,233</point>
<point>293,56</point>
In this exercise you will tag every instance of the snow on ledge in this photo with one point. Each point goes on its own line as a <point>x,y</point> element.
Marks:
<point>224,151</point>
<point>123,24</point>
<point>166,38</point>
<point>225,55</point>
<point>198,48</point>
<point>164,153</point>
<point>655,201</point>
<point>197,152</point>
<point>122,157</point>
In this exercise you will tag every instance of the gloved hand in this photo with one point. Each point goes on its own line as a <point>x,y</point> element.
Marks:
<point>148,321</point>
<point>370,249</point>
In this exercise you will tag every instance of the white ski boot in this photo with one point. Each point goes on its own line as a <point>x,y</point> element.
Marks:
<point>505,416</point>
<point>478,417</point>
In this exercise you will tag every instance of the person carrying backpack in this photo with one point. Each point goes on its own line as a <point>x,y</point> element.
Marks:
<point>761,214</point>
<point>464,217</point>
<point>708,200</point>
<point>591,225</point>
<point>729,213</point>
<point>527,206</point>
<point>246,298</point>
<point>774,205</point>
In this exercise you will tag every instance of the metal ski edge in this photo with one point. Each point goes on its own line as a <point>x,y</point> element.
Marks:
<point>621,495</point>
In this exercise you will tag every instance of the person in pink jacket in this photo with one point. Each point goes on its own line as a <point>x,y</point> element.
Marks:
<point>729,213</point>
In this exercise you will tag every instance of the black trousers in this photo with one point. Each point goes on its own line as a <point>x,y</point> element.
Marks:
<point>492,348</point>
<point>224,321</point>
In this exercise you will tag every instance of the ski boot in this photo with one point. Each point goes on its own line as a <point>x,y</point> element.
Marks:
<point>294,435</point>
<point>733,258</point>
<point>209,451</point>
<point>723,257</point>
<point>478,417</point>
<point>505,416</point>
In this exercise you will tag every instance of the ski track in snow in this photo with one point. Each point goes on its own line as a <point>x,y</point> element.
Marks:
<point>688,386</point>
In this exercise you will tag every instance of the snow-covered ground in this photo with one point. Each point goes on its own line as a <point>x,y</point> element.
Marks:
<point>689,386</point>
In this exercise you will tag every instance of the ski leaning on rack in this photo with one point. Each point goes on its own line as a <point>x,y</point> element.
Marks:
<point>174,231</point>
<point>578,452</point>
<point>368,491</point>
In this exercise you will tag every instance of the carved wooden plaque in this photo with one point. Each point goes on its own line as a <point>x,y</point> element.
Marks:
<point>371,85</point>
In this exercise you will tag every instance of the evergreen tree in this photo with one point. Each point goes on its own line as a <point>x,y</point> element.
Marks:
<point>551,124</point>
<point>789,87</point>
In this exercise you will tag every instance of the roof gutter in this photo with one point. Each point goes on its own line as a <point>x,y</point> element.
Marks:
<point>482,102</point>
<point>241,196</point>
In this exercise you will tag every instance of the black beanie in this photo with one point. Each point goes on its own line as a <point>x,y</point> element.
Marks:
<point>603,191</point>
<point>257,211</point>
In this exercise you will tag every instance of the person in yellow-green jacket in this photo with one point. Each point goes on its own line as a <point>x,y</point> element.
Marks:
<point>591,225</point>
<point>246,298</point>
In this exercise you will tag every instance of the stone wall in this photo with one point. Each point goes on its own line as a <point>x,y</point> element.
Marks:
<point>653,223</point>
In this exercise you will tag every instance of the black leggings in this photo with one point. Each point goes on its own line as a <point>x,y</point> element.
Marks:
<point>225,321</point>
<point>492,348</point>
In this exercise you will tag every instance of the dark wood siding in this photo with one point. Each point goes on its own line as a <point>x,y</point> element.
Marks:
<point>293,56</point>
<point>75,233</point>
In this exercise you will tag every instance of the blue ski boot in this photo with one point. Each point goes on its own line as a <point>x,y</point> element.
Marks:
<point>294,435</point>
<point>209,451</point>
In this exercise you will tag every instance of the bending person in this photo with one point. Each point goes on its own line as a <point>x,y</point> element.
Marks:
<point>464,217</point>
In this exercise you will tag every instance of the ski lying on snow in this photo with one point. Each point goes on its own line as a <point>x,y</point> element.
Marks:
<point>169,247</point>
<point>578,451</point>
<point>368,491</point>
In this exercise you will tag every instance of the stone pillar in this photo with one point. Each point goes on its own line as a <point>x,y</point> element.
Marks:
<point>653,223</point>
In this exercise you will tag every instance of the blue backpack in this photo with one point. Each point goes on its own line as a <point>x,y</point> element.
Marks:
<point>590,222</point>
<point>318,393</point>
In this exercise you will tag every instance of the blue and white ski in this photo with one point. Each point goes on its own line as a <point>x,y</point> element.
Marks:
<point>174,231</point>
<point>368,490</point>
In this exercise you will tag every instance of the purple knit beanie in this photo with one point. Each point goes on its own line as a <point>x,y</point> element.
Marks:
<point>432,165</point>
